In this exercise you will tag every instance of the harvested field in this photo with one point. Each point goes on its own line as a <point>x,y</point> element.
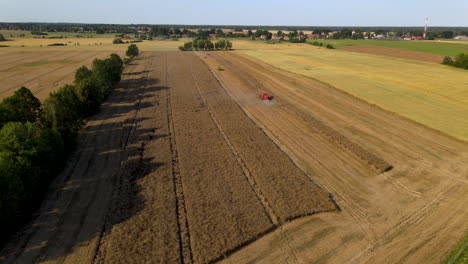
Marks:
<point>42,72</point>
<point>397,53</point>
<point>171,170</point>
<point>414,213</point>
<point>431,94</point>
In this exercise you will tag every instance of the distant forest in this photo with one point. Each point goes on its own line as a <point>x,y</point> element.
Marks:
<point>131,28</point>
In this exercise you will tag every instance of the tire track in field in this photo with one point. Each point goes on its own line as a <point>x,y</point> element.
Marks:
<point>184,234</point>
<point>99,252</point>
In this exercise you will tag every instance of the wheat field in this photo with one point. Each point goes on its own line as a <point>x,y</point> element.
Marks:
<point>429,93</point>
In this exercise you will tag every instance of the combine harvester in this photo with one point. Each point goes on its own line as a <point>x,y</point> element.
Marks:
<point>264,96</point>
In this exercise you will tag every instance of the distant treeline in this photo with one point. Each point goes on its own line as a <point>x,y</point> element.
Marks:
<point>204,44</point>
<point>36,137</point>
<point>167,30</point>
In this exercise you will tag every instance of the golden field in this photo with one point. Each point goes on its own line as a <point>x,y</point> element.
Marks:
<point>429,93</point>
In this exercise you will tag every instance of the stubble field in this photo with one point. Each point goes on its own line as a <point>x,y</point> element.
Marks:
<point>414,213</point>
<point>429,93</point>
<point>185,164</point>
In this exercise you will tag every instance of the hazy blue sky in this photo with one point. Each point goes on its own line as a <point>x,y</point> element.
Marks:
<point>241,12</point>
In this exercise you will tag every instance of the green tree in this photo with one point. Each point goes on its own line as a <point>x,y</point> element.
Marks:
<point>447,34</point>
<point>22,106</point>
<point>29,156</point>
<point>132,51</point>
<point>82,73</point>
<point>63,112</point>
<point>89,95</point>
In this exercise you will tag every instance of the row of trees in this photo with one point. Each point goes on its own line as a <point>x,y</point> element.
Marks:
<point>36,137</point>
<point>205,44</point>
<point>460,61</point>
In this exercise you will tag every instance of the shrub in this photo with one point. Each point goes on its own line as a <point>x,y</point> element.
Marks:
<point>461,61</point>
<point>2,38</point>
<point>329,46</point>
<point>118,41</point>
<point>132,51</point>
<point>447,61</point>
<point>56,44</point>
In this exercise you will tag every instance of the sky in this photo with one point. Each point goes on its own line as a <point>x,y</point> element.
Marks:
<point>240,12</point>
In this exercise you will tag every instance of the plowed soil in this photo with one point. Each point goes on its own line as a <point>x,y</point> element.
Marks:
<point>42,71</point>
<point>396,52</point>
<point>414,212</point>
<point>171,170</point>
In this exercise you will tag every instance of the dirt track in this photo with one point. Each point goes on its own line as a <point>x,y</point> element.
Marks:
<point>396,52</point>
<point>170,170</point>
<point>414,213</point>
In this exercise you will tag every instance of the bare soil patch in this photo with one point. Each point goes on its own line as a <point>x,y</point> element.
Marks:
<point>396,52</point>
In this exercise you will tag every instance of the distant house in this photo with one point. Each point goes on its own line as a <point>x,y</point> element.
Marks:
<point>213,35</point>
<point>379,36</point>
<point>263,36</point>
<point>418,38</point>
<point>274,37</point>
<point>461,37</point>
<point>126,36</point>
<point>407,38</point>
<point>185,35</point>
<point>312,36</point>
<point>300,36</point>
<point>285,37</point>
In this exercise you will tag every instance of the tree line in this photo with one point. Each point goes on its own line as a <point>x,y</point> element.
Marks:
<point>35,137</point>
<point>205,44</point>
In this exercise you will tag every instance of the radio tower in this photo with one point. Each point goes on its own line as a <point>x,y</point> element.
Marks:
<point>425,28</point>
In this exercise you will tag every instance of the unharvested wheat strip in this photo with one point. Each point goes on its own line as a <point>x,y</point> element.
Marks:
<point>223,211</point>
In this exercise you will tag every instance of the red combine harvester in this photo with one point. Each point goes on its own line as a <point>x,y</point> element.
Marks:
<point>264,96</point>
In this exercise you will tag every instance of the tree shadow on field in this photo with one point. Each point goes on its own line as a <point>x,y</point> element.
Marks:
<point>99,186</point>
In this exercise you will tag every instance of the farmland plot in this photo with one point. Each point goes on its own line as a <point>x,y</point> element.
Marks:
<point>187,177</point>
<point>42,71</point>
<point>414,213</point>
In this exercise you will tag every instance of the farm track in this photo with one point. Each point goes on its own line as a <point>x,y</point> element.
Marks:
<point>411,214</point>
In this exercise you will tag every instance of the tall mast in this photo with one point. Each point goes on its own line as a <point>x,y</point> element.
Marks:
<point>425,28</point>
